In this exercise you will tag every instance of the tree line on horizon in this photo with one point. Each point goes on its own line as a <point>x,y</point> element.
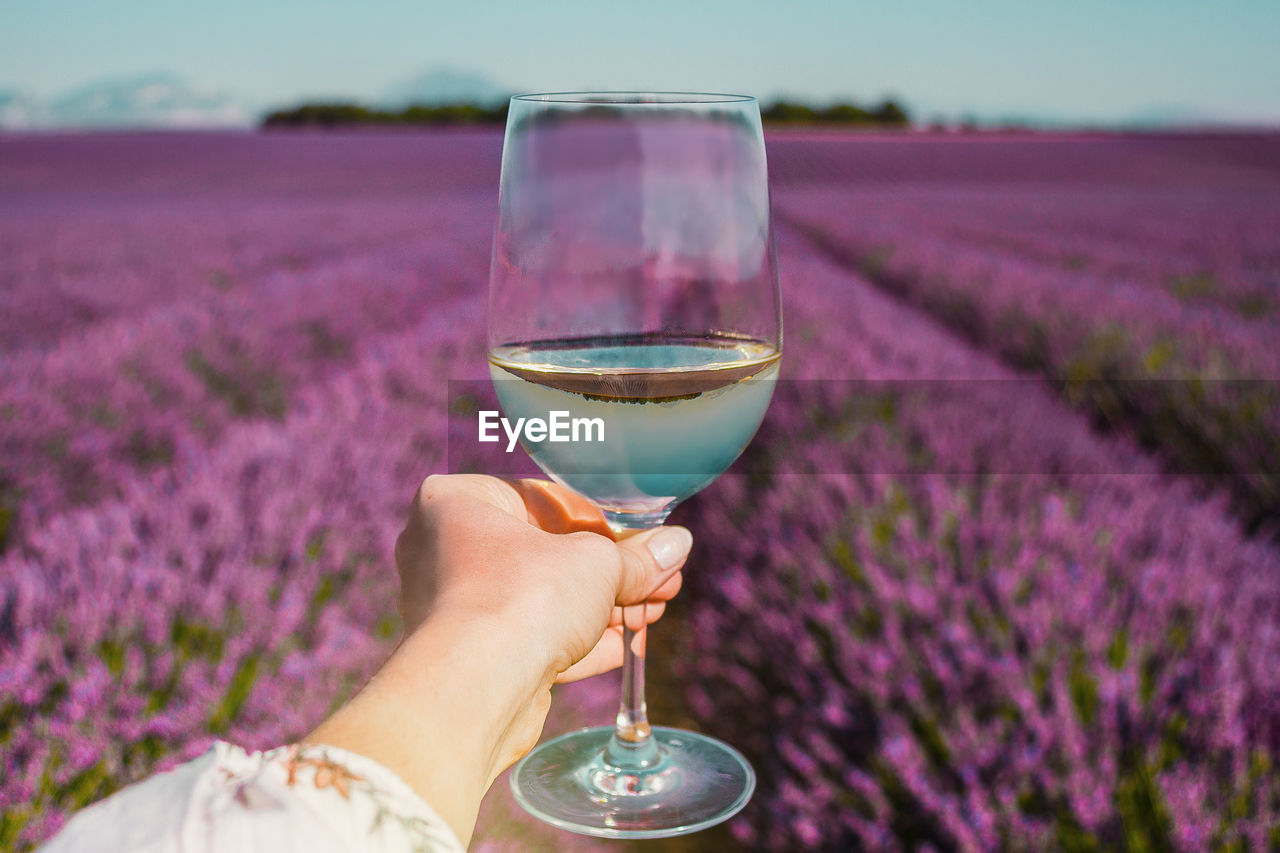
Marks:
<point>887,113</point>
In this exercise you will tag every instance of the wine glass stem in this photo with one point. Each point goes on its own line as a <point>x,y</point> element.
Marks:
<point>632,747</point>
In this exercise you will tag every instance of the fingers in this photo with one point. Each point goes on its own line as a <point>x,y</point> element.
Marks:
<point>649,560</point>
<point>669,588</point>
<point>606,655</point>
<point>637,616</point>
<point>559,510</point>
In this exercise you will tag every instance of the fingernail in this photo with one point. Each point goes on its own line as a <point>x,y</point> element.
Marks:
<point>670,545</point>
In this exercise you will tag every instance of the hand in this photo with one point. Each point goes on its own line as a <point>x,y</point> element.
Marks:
<point>506,589</point>
<point>540,561</point>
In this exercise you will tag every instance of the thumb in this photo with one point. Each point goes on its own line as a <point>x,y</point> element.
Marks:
<point>648,559</point>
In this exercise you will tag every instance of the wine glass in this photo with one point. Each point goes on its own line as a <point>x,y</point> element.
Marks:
<point>634,290</point>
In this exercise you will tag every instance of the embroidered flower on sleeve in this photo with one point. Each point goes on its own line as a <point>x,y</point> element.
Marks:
<point>243,773</point>
<point>328,772</point>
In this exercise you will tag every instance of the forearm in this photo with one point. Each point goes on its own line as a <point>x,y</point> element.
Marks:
<point>451,708</point>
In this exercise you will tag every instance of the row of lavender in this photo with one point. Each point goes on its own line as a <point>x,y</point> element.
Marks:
<point>238,600</point>
<point>1020,658</point>
<point>1153,297</point>
<point>81,414</point>
<point>1179,218</point>
<point>98,226</point>
<point>203,471</point>
<point>981,660</point>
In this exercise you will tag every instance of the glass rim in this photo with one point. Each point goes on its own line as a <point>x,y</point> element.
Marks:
<point>633,98</point>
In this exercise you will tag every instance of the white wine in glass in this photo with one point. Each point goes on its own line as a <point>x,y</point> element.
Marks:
<point>634,290</point>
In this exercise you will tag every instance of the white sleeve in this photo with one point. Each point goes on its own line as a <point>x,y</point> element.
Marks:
<point>311,798</point>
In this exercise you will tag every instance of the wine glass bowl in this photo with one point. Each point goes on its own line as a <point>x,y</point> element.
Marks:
<point>673,412</point>
<point>629,212</point>
<point>634,291</point>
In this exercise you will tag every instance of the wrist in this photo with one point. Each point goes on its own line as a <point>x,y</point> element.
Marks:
<point>514,634</point>
<point>468,671</point>
<point>450,709</point>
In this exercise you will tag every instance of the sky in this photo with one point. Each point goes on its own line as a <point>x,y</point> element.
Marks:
<point>1085,60</point>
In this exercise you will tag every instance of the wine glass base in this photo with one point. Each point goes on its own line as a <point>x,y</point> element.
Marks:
<point>696,782</point>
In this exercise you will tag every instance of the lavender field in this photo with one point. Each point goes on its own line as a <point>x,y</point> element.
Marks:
<point>1039,611</point>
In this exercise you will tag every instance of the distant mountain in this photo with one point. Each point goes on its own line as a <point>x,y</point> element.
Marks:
<point>1179,116</point>
<point>20,111</point>
<point>1154,118</point>
<point>149,100</point>
<point>156,100</point>
<point>446,86</point>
